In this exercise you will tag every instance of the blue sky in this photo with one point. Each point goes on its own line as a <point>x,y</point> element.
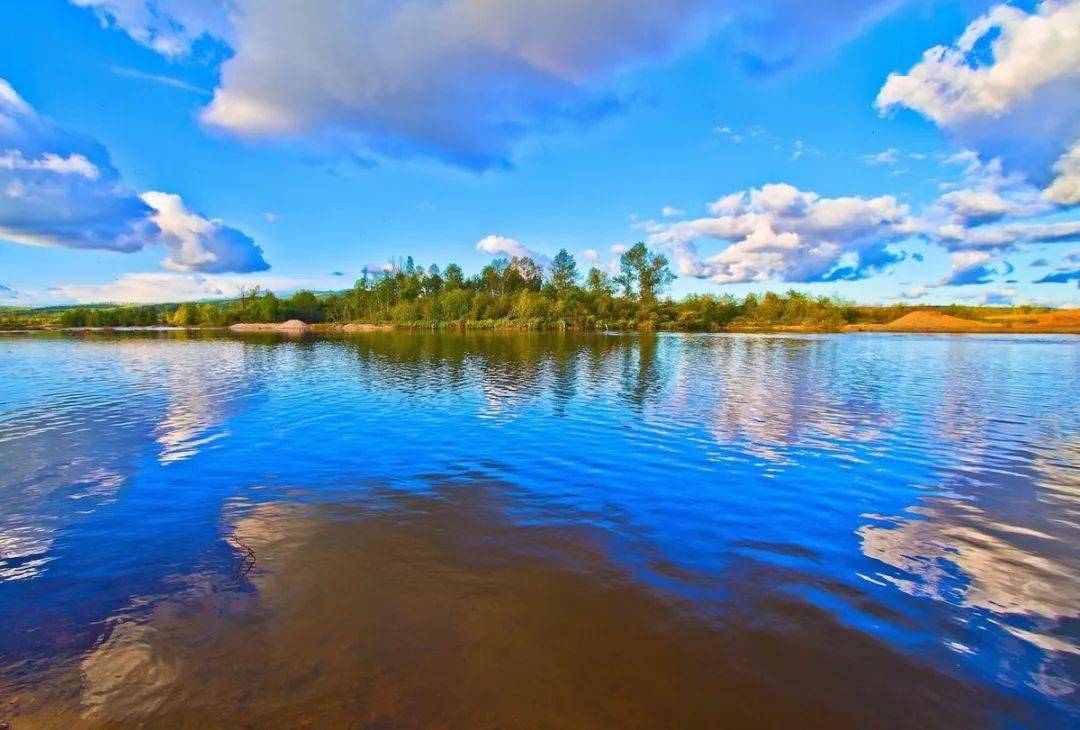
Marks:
<point>183,148</point>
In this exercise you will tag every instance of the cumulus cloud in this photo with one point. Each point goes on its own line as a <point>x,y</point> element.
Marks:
<point>669,211</point>
<point>991,210</point>
<point>75,164</point>
<point>1004,237</point>
<point>975,207</point>
<point>59,188</point>
<point>591,255</point>
<point>1022,104</point>
<point>1065,190</point>
<point>461,80</point>
<point>969,267</point>
<point>502,246</point>
<point>985,193</point>
<point>779,231</point>
<point>197,244</point>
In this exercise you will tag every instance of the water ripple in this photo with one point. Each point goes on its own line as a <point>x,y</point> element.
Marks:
<point>919,493</point>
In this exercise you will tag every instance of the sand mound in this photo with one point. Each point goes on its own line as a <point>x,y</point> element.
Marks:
<point>924,321</point>
<point>293,325</point>
<point>1061,321</point>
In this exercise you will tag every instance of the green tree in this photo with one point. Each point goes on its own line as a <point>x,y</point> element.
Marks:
<point>268,308</point>
<point>564,271</point>
<point>649,270</point>
<point>598,283</point>
<point>492,276</point>
<point>433,282</point>
<point>185,315</point>
<point>303,305</point>
<point>522,273</point>
<point>453,277</point>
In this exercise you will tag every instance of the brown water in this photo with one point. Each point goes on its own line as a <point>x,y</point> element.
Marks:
<point>535,533</point>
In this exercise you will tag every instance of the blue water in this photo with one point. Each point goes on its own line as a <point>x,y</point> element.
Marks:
<point>200,528</point>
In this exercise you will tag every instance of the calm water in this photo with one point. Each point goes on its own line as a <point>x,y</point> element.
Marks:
<point>407,529</point>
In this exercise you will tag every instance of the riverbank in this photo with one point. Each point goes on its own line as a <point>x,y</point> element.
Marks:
<point>1064,321</point>
<point>1061,321</point>
<point>917,322</point>
<point>295,326</point>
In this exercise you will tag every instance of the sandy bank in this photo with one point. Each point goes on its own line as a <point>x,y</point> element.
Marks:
<point>291,326</point>
<point>1065,321</point>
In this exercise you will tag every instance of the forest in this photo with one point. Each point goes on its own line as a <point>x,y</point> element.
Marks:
<point>508,293</point>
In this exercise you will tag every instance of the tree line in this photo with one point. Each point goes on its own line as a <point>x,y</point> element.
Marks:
<point>514,292</point>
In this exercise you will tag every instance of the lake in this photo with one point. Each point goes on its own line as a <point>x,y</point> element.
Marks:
<point>411,529</point>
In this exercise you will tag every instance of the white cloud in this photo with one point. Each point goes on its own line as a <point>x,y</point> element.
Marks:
<point>502,246</point>
<point>727,204</point>
<point>779,231</point>
<point>132,73</point>
<point>963,261</point>
<point>59,188</point>
<point>888,157</point>
<point>800,148</point>
<point>591,255</point>
<point>619,249</point>
<point>75,164</point>
<point>170,27</point>
<point>986,194</point>
<point>728,132</point>
<point>671,212</point>
<point>961,218</point>
<point>164,286</point>
<point>973,267</point>
<point>1023,105</point>
<point>1065,190</point>
<point>976,206</point>
<point>916,292</point>
<point>1004,237</point>
<point>460,80</point>
<point>197,244</point>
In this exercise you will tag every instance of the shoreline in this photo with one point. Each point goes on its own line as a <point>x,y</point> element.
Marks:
<point>358,328</point>
<point>1056,322</point>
